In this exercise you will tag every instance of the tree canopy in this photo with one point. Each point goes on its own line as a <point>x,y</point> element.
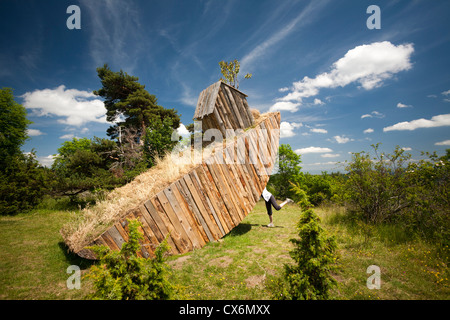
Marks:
<point>13,127</point>
<point>128,104</point>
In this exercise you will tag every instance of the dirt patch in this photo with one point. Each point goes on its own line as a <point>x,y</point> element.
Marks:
<point>221,262</point>
<point>178,263</point>
<point>255,281</point>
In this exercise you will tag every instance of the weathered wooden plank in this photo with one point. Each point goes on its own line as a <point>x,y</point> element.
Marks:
<point>249,112</point>
<point>153,240</point>
<point>216,197</point>
<point>173,232</point>
<point>196,228</point>
<point>234,108</point>
<point>116,236</point>
<point>238,183</point>
<point>230,187</point>
<point>219,121</point>
<point>184,241</point>
<point>224,112</point>
<point>262,146</point>
<point>151,223</point>
<point>214,92</point>
<point>250,161</point>
<point>215,201</point>
<point>226,106</point>
<point>223,189</point>
<point>240,177</point>
<point>184,190</point>
<point>160,224</point>
<point>199,109</point>
<point>181,216</point>
<point>106,237</point>
<point>207,203</point>
<point>243,113</point>
<point>244,166</point>
<point>203,211</point>
<point>259,157</point>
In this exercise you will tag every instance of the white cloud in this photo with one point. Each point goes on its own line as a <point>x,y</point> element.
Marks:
<point>369,130</point>
<point>75,107</point>
<point>285,106</point>
<point>330,155</point>
<point>342,139</point>
<point>34,132</point>
<point>329,163</point>
<point>182,131</point>
<point>287,129</point>
<point>401,105</point>
<point>446,93</point>
<point>373,114</point>
<point>406,149</point>
<point>68,136</point>
<point>312,150</point>
<point>283,89</point>
<point>46,161</point>
<point>436,121</point>
<point>369,65</point>
<point>318,130</point>
<point>318,102</point>
<point>443,143</point>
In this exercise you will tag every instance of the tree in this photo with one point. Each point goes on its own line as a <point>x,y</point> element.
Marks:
<point>158,140</point>
<point>13,127</point>
<point>314,255</point>
<point>288,171</point>
<point>23,180</point>
<point>23,184</point>
<point>230,71</point>
<point>129,105</point>
<point>84,164</point>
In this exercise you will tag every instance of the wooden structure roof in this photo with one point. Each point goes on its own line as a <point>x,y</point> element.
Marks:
<point>221,106</point>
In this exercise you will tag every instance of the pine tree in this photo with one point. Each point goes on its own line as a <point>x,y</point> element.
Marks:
<point>314,256</point>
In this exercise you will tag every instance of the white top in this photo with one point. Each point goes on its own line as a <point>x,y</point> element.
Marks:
<point>266,194</point>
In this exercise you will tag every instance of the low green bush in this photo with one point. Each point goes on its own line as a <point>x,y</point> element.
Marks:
<point>124,275</point>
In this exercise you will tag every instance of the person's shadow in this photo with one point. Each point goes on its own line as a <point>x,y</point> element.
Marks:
<point>243,228</point>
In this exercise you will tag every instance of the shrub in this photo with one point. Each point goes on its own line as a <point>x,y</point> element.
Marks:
<point>125,276</point>
<point>390,188</point>
<point>314,255</point>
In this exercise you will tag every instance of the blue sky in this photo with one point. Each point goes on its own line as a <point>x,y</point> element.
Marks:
<point>339,85</point>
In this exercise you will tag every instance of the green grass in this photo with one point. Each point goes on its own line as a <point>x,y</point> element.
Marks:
<point>33,259</point>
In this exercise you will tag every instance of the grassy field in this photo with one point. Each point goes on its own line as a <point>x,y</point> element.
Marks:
<point>33,259</point>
